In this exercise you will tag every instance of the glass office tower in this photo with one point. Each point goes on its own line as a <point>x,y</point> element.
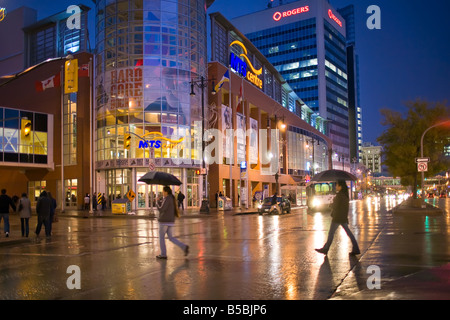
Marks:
<point>148,52</point>
<point>305,41</point>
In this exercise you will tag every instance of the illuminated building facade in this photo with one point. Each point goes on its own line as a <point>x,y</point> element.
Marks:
<point>261,103</point>
<point>35,136</point>
<point>306,42</point>
<point>148,52</point>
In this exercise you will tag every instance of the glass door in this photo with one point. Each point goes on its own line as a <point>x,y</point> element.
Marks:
<point>192,196</point>
<point>71,193</point>
<point>141,193</point>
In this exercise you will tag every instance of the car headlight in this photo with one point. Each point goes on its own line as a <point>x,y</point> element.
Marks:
<point>316,202</point>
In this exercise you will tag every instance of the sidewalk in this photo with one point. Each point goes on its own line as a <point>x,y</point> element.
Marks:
<point>146,213</point>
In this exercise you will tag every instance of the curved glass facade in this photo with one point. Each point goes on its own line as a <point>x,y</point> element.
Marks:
<point>148,51</point>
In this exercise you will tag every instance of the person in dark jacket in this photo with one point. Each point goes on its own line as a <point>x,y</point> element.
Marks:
<point>180,198</point>
<point>339,216</point>
<point>167,212</point>
<point>52,211</point>
<point>43,209</point>
<point>5,203</point>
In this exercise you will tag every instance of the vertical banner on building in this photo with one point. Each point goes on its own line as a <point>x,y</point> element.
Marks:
<point>253,142</point>
<point>240,135</point>
<point>226,125</point>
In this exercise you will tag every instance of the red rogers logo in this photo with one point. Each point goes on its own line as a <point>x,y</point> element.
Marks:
<point>278,15</point>
<point>333,17</point>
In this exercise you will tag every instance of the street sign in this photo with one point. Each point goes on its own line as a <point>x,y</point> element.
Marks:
<point>131,195</point>
<point>422,166</point>
<point>422,160</point>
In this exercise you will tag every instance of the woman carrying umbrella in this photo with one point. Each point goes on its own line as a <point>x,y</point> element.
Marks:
<point>167,212</point>
<point>340,217</point>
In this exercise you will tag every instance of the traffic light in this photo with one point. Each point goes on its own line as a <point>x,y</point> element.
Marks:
<point>71,76</point>
<point>200,171</point>
<point>25,131</point>
<point>127,141</point>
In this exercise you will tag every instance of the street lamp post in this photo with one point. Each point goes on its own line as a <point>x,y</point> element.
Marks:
<point>202,84</point>
<point>313,141</point>
<point>421,149</point>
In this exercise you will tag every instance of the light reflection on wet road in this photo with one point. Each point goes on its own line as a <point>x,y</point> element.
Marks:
<point>232,257</point>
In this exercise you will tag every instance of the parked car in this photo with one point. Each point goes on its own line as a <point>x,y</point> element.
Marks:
<point>283,206</point>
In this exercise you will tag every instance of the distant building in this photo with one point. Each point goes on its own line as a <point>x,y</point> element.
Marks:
<point>30,42</point>
<point>371,157</point>
<point>51,38</point>
<point>12,55</point>
<point>306,43</point>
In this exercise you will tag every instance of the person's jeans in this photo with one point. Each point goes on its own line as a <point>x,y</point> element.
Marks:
<point>24,225</point>
<point>5,217</point>
<point>333,228</point>
<point>163,229</point>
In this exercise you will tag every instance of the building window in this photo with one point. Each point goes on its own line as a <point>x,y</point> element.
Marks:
<point>70,129</point>
<point>18,146</point>
<point>34,190</point>
<point>43,45</point>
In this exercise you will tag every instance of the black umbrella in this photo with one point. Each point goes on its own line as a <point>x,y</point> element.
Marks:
<point>333,175</point>
<point>163,178</point>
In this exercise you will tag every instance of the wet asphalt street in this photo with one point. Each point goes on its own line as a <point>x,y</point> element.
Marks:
<point>234,257</point>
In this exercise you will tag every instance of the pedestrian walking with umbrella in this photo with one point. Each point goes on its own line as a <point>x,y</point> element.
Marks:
<point>339,214</point>
<point>168,210</point>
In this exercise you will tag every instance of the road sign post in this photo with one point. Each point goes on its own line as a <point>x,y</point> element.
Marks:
<point>422,166</point>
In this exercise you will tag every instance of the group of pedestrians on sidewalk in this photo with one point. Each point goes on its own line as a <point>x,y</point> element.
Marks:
<point>45,210</point>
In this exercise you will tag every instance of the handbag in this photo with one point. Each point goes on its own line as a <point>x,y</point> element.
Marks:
<point>20,205</point>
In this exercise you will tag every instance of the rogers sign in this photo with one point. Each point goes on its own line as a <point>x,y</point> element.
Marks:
<point>277,16</point>
<point>333,17</point>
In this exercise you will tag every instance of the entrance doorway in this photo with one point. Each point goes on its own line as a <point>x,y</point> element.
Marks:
<point>192,196</point>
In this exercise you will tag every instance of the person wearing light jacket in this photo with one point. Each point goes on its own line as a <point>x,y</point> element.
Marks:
<point>24,214</point>
<point>168,210</point>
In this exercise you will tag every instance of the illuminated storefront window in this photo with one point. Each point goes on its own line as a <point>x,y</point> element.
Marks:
<point>34,190</point>
<point>23,136</point>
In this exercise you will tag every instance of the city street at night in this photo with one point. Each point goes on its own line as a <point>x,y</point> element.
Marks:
<point>233,257</point>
